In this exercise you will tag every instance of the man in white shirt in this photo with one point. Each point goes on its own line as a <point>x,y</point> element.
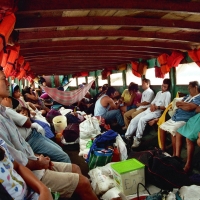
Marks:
<point>147,97</point>
<point>159,104</point>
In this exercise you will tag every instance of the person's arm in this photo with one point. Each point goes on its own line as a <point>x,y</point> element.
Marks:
<point>18,119</point>
<point>31,96</point>
<point>186,106</point>
<point>197,109</point>
<point>113,105</point>
<point>32,181</point>
<point>41,163</point>
<point>144,103</point>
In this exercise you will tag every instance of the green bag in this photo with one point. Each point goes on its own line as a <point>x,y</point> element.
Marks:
<point>99,157</point>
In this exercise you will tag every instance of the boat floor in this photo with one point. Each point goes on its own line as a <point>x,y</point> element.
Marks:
<point>149,142</point>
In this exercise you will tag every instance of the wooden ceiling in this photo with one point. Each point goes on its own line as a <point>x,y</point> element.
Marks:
<point>69,36</point>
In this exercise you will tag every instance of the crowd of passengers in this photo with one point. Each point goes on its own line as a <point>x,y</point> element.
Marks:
<point>26,135</point>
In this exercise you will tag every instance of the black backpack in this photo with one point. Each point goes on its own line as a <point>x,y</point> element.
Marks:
<point>71,133</point>
<point>162,171</point>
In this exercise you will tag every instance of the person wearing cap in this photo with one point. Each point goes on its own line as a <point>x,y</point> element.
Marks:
<point>69,175</point>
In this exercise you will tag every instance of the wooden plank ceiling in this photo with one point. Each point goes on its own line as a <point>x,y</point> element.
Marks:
<point>65,36</point>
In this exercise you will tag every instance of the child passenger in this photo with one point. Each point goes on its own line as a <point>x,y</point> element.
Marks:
<point>16,179</point>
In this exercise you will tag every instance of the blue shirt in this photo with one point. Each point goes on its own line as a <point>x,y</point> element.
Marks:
<point>46,127</point>
<point>184,115</point>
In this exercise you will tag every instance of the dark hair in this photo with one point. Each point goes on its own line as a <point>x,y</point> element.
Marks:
<point>195,84</point>
<point>104,87</point>
<point>26,90</point>
<point>15,87</point>
<point>1,68</point>
<point>168,82</point>
<point>24,109</point>
<point>133,87</point>
<point>2,154</point>
<point>110,90</point>
<point>41,80</point>
<point>146,81</point>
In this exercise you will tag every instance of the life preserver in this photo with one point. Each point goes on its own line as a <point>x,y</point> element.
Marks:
<point>121,67</point>
<point>23,70</point>
<point>195,56</point>
<point>11,56</point>
<point>6,28</point>
<point>134,66</point>
<point>162,59</point>
<point>175,58</point>
<point>105,73</point>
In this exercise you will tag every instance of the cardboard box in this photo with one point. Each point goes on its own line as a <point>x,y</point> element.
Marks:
<point>128,174</point>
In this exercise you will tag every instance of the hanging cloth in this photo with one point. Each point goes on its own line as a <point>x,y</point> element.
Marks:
<point>67,97</point>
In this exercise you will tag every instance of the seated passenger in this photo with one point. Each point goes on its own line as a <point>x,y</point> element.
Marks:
<point>135,98</point>
<point>147,97</point>
<point>69,175</point>
<point>198,140</point>
<point>22,103</point>
<point>139,122</point>
<point>31,132</point>
<point>91,105</point>
<point>15,178</point>
<point>46,128</point>
<point>185,110</point>
<point>191,132</point>
<point>29,96</point>
<point>83,104</point>
<point>106,107</point>
<point>126,96</point>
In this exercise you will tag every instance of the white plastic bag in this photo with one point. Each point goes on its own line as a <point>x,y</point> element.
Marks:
<point>89,128</point>
<point>122,148</point>
<point>100,183</point>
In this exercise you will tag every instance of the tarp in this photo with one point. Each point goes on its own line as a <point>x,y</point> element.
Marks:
<point>67,97</point>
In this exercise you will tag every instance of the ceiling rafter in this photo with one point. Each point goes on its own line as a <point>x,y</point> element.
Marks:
<point>67,36</point>
<point>42,22</point>
<point>117,43</point>
<point>187,37</point>
<point>152,5</point>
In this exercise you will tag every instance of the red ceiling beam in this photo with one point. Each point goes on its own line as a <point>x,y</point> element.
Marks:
<point>43,22</point>
<point>114,43</point>
<point>97,48</point>
<point>150,5</point>
<point>88,54</point>
<point>187,37</point>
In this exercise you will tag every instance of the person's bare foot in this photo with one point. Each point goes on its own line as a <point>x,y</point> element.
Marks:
<point>187,168</point>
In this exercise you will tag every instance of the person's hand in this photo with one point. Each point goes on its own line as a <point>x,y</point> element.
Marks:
<point>44,162</point>
<point>50,164</point>
<point>152,107</point>
<point>45,194</point>
<point>178,104</point>
<point>197,109</point>
<point>198,140</point>
<point>138,104</point>
<point>33,113</point>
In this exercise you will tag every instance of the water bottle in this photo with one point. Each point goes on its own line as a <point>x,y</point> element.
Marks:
<point>116,154</point>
